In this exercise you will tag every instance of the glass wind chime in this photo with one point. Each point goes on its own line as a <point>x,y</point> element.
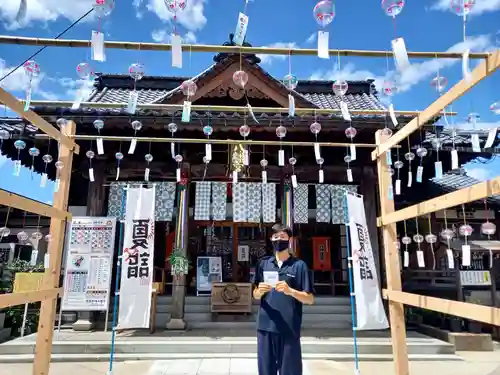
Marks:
<point>136,126</point>
<point>245,132</point>
<point>32,70</point>
<point>189,89</point>
<point>462,8</point>
<point>264,163</point>
<point>281,133</point>
<point>290,81</point>
<point>33,152</point>
<point>315,129</point>
<point>136,71</point>
<point>465,230</point>
<point>324,13</point>
<point>148,158</point>
<point>419,239</point>
<point>431,239</point>
<point>19,146</point>
<point>86,74</point>
<point>406,241</point>
<point>293,161</point>
<point>99,125</point>
<point>208,130</point>
<point>119,157</point>
<point>448,235</point>
<point>176,6</point>
<point>488,229</point>
<point>172,128</point>
<point>240,79</point>
<point>102,8</point>
<point>409,156</point>
<point>393,8</point>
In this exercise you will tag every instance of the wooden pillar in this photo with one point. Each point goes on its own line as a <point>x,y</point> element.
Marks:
<point>369,193</point>
<point>44,337</point>
<point>392,268</point>
<point>95,207</point>
<point>181,243</point>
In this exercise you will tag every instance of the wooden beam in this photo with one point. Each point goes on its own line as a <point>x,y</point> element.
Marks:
<point>466,195</point>
<point>223,108</point>
<point>30,205</point>
<point>392,267</point>
<point>5,39</point>
<point>45,333</point>
<point>17,106</point>
<point>16,299</point>
<point>484,314</point>
<point>487,67</point>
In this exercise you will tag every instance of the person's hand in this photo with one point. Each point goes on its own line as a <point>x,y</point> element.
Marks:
<point>263,288</point>
<point>282,286</point>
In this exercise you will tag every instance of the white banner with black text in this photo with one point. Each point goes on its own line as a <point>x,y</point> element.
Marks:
<point>370,313</point>
<point>137,259</point>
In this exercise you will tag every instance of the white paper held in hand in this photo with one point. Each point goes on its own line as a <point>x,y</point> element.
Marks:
<point>271,278</point>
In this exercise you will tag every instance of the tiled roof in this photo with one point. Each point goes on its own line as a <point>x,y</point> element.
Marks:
<point>361,95</point>
<point>458,180</point>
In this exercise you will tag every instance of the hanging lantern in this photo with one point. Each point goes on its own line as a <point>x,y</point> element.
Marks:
<point>240,78</point>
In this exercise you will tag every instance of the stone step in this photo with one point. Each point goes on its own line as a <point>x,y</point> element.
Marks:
<point>120,357</point>
<point>314,309</point>
<point>228,345</point>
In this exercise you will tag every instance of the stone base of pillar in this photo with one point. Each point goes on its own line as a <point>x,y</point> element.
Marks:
<point>176,324</point>
<point>84,322</point>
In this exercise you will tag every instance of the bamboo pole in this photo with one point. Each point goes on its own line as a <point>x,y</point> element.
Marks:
<point>5,39</point>
<point>45,332</point>
<point>392,266</point>
<point>30,205</point>
<point>215,141</point>
<point>486,68</point>
<point>18,106</point>
<point>222,108</point>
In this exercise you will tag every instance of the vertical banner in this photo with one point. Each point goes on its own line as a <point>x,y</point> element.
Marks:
<point>137,261</point>
<point>370,313</point>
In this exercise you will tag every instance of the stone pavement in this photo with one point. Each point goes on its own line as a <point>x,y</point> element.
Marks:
<point>475,363</point>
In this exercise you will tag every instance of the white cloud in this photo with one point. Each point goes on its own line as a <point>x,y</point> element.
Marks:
<point>477,172</point>
<point>268,59</point>
<point>163,36</point>
<point>480,7</point>
<point>417,72</point>
<point>312,38</point>
<point>44,11</point>
<point>192,18</point>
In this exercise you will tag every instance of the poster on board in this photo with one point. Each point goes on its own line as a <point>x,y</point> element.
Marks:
<point>89,257</point>
<point>208,271</point>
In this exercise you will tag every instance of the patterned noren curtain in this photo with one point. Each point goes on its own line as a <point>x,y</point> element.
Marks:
<point>240,202</point>
<point>219,200</point>
<point>164,199</point>
<point>202,200</point>
<point>254,199</point>
<point>323,207</point>
<point>338,201</point>
<point>300,204</point>
<point>269,203</point>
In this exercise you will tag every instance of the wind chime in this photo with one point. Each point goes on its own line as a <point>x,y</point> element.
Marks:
<point>172,128</point>
<point>290,81</point>
<point>462,8</point>
<point>465,230</point>
<point>488,229</point>
<point>175,6</point>
<point>447,235</point>
<point>148,158</point>
<point>245,132</point>
<point>431,239</point>
<point>189,89</point>
<point>86,74</point>
<point>315,129</point>
<point>102,8</point>
<point>32,70</point>
<point>406,241</point>
<point>324,13</point>
<point>136,126</point>
<point>208,131</point>
<point>19,146</point>
<point>393,8</point>
<point>419,239</point>
<point>136,71</point>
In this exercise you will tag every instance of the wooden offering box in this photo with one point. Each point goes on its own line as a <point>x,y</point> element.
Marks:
<point>231,298</point>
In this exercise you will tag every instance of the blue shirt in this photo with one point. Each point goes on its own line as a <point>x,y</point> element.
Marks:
<point>278,312</point>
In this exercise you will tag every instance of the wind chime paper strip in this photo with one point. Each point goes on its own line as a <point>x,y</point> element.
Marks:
<point>240,202</point>
<point>300,204</point>
<point>219,201</point>
<point>202,200</point>
<point>269,203</point>
<point>254,199</point>
<point>337,194</point>
<point>323,208</point>
<point>164,202</point>
<point>137,264</point>
<point>370,313</point>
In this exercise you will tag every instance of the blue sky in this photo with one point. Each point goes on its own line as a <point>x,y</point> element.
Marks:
<point>426,25</point>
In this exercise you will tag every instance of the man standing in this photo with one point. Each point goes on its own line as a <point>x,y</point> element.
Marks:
<point>282,284</point>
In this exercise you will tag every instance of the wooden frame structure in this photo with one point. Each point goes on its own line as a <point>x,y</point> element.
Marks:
<point>50,289</point>
<point>394,294</point>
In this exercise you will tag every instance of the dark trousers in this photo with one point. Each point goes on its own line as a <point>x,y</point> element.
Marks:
<point>277,353</point>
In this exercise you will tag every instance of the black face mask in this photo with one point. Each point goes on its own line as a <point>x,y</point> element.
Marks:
<point>280,245</point>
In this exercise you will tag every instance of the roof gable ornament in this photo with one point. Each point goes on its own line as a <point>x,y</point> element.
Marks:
<point>249,57</point>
